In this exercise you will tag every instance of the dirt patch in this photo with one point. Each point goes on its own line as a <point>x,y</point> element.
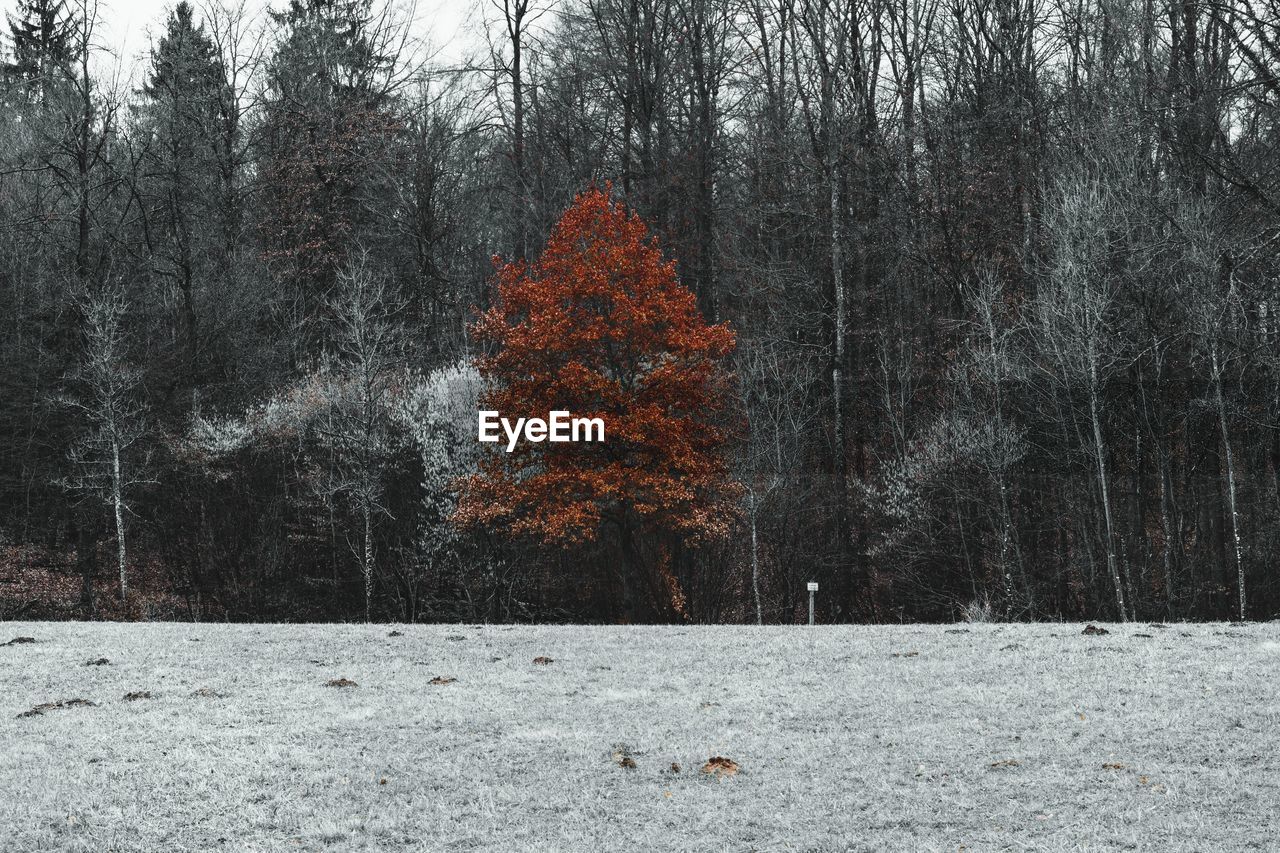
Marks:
<point>1094,631</point>
<point>19,641</point>
<point>207,693</point>
<point>720,767</point>
<point>40,709</point>
<point>97,662</point>
<point>624,757</point>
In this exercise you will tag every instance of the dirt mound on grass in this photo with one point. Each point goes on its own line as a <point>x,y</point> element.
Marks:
<point>40,709</point>
<point>720,767</point>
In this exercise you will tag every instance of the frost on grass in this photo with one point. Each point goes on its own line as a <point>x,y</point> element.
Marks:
<point>837,745</point>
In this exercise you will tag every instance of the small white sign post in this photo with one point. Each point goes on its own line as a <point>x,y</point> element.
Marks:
<point>813,587</point>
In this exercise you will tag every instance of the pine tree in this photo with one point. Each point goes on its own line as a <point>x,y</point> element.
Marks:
<point>327,126</point>
<point>42,34</point>
<point>184,90</point>
<point>185,67</point>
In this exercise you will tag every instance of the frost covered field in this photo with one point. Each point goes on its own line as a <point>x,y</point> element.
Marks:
<point>977,737</point>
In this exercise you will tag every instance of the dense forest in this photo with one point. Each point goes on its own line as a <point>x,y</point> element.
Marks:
<point>1003,278</point>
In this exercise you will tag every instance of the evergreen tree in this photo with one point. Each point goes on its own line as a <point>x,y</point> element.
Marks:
<point>42,34</point>
<point>183,90</point>
<point>328,124</point>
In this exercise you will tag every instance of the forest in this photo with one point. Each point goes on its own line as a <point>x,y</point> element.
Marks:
<point>987,294</point>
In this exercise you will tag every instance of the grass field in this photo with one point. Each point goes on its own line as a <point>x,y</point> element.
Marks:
<point>976,737</point>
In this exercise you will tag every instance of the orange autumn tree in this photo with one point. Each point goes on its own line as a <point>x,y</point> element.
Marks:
<point>600,326</point>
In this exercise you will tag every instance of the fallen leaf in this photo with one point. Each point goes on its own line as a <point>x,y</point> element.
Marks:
<point>394,634</point>
<point>442,679</point>
<point>905,654</point>
<point>675,768</point>
<point>340,682</point>
<point>97,662</point>
<point>1112,766</point>
<point>18,641</point>
<point>542,660</point>
<point>1094,631</point>
<point>1007,762</point>
<point>136,695</point>
<point>719,766</point>
<point>208,693</point>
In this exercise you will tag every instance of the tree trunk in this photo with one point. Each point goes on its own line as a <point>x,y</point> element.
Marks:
<point>1006,526</point>
<point>755,558</point>
<point>1166,529</point>
<point>627,569</point>
<point>1231,477</point>
<point>367,567</point>
<point>1100,450</point>
<point>117,502</point>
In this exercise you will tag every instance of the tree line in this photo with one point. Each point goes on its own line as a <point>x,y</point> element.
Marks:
<point>1002,275</point>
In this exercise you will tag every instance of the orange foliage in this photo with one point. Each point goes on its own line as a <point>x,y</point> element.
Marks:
<point>600,326</point>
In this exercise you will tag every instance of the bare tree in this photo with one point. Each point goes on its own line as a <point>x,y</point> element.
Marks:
<point>1073,323</point>
<point>779,413</point>
<point>1217,324</point>
<point>992,364</point>
<point>106,394</point>
<point>366,352</point>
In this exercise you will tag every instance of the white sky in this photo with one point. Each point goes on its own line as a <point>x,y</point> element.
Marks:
<point>449,26</point>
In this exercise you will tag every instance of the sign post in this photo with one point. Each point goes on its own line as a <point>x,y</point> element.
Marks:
<point>813,587</point>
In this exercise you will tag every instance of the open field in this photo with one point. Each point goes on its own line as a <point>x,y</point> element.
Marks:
<point>976,737</point>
